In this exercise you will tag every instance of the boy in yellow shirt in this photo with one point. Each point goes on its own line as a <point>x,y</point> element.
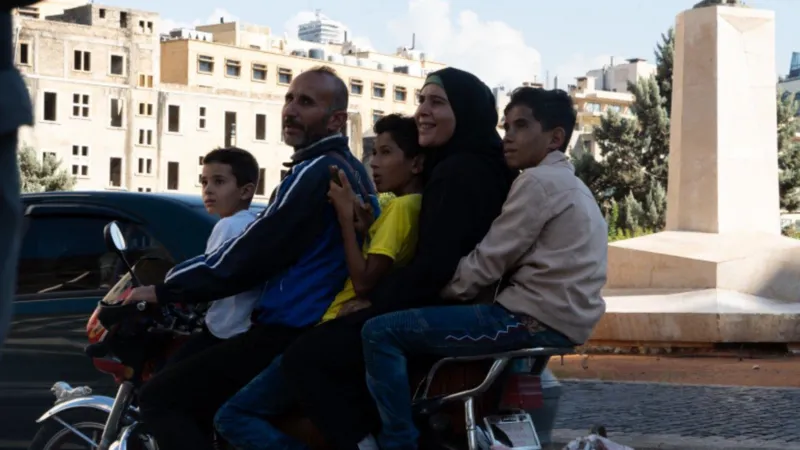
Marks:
<point>389,242</point>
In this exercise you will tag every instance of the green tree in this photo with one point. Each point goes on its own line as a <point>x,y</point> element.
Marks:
<point>665,57</point>
<point>788,152</point>
<point>42,175</point>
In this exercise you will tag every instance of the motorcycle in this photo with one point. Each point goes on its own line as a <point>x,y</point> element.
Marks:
<point>132,341</point>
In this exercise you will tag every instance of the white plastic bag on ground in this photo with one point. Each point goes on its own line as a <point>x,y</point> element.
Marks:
<point>595,442</point>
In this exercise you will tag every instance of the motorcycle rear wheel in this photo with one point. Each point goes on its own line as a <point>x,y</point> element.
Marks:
<point>52,435</point>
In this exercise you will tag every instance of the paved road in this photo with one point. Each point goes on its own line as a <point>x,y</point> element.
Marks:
<point>39,352</point>
<point>696,413</point>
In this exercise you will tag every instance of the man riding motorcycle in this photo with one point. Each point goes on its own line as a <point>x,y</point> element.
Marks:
<point>294,249</point>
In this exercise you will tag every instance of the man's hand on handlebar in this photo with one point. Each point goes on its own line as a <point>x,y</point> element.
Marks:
<point>141,294</point>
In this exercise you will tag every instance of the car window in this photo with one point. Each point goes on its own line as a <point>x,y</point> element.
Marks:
<point>68,253</point>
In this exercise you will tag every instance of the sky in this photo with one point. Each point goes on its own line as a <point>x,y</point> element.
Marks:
<point>498,40</point>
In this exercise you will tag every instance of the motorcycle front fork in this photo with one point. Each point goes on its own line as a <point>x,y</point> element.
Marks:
<point>121,404</point>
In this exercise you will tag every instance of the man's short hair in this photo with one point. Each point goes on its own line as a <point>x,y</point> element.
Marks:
<point>403,131</point>
<point>553,108</point>
<point>341,95</point>
<point>243,164</point>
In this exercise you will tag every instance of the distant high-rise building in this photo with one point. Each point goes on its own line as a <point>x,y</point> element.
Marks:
<point>322,30</point>
<point>794,67</point>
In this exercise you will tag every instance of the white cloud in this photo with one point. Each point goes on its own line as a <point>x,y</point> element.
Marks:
<point>166,25</point>
<point>493,50</point>
<point>578,64</point>
<point>290,28</point>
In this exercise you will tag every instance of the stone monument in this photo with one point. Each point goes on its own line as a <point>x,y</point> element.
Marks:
<point>721,271</point>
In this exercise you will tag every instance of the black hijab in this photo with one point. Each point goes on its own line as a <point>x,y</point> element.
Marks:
<point>475,111</point>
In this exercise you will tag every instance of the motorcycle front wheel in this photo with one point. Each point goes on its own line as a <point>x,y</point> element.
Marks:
<point>53,435</point>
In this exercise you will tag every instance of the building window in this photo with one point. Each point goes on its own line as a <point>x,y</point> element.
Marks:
<point>144,189</point>
<point>50,109</point>
<point>80,105</point>
<point>259,72</point>
<point>233,68</point>
<point>201,118</point>
<point>284,76</point>
<point>199,170</point>
<point>115,172</point>
<point>145,166</point>
<point>116,65</point>
<point>378,90</point>
<point>356,86</point>
<point>230,128</point>
<point>145,81</point>
<point>260,188</point>
<point>174,119</point>
<point>82,61</point>
<point>102,13</point>
<point>49,156</point>
<point>116,112</point>
<point>24,54</point>
<point>592,107</point>
<point>146,137</point>
<point>417,95</point>
<point>376,115</point>
<point>205,64</point>
<point>400,94</point>
<point>615,108</point>
<point>80,160</point>
<point>173,170</point>
<point>123,19</point>
<point>261,127</point>
<point>146,109</point>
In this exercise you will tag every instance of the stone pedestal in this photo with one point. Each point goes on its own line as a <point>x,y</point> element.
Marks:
<point>721,272</point>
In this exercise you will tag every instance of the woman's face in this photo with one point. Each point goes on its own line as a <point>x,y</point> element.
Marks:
<point>435,118</point>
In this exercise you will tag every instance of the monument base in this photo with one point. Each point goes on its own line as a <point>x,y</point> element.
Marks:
<point>687,288</point>
<point>696,317</point>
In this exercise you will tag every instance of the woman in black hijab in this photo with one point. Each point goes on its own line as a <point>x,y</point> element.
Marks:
<point>467,182</point>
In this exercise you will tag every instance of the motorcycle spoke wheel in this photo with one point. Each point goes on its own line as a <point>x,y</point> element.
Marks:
<point>66,439</point>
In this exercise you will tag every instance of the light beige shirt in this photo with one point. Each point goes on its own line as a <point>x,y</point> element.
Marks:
<point>552,241</point>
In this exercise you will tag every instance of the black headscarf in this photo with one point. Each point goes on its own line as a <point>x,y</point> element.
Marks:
<point>475,111</point>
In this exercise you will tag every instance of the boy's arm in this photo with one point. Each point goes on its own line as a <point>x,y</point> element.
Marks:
<point>383,249</point>
<point>271,243</point>
<point>512,234</point>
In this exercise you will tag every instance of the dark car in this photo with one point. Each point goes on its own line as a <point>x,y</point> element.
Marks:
<point>64,270</point>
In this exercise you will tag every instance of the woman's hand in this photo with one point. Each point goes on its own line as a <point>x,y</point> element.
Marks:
<point>352,306</point>
<point>342,196</point>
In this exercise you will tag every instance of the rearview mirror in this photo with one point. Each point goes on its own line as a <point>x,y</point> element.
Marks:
<point>115,241</point>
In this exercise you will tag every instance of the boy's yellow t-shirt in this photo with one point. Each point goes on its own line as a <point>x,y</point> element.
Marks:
<point>393,234</point>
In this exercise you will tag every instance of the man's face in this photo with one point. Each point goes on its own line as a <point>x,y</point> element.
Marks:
<point>307,114</point>
<point>525,143</point>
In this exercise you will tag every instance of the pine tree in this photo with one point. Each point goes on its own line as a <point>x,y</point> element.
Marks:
<point>665,57</point>
<point>788,152</point>
<point>41,175</point>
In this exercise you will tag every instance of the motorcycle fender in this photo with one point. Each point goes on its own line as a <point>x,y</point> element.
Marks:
<point>98,402</point>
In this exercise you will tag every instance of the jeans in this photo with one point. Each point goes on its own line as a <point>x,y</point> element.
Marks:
<point>446,331</point>
<point>10,228</point>
<point>179,403</point>
<point>242,420</point>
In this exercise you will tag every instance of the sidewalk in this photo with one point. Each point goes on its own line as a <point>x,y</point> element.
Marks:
<point>670,416</point>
